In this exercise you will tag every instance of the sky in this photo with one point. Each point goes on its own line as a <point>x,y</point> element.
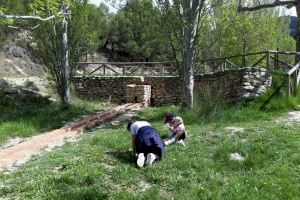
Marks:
<point>291,11</point>
<point>97,2</point>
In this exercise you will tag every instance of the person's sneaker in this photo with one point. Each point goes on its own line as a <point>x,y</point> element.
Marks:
<point>150,158</point>
<point>167,142</point>
<point>141,160</point>
<point>181,142</point>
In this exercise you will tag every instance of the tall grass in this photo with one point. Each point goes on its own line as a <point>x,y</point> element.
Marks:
<point>211,107</point>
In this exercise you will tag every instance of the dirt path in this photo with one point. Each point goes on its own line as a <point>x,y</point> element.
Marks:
<point>22,152</point>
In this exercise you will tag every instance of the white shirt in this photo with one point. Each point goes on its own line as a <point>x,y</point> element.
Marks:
<point>137,125</point>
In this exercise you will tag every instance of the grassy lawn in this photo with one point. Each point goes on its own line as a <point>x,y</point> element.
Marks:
<point>27,117</point>
<point>100,165</point>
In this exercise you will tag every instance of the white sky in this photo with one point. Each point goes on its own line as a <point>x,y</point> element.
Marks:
<point>291,11</point>
<point>97,2</point>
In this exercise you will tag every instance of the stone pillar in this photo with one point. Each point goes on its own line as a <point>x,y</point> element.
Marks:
<point>138,94</point>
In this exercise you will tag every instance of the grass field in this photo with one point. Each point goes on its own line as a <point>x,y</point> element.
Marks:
<point>101,166</point>
<point>27,117</point>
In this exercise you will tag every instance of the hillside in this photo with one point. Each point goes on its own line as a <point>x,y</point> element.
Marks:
<point>18,57</point>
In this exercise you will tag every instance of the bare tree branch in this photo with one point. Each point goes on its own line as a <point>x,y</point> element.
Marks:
<point>268,5</point>
<point>31,17</point>
<point>17,27</point>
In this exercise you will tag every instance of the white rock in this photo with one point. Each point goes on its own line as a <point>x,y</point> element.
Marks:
<point>246,83</point>
<point>249,87</point>
<point>234,129</point>
<point>236,157</point>
<point>262,89</point>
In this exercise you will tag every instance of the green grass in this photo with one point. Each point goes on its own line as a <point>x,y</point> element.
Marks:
<point>100,165</point>
<point>24,118</point>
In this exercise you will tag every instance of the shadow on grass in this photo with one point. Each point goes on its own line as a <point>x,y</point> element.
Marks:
<point>125,157</point>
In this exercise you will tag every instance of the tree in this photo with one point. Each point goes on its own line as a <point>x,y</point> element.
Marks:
<point>189,13</point>
<point>276,3</point>
<point>240,34</point>
<point>59,38</point>
<point>98,26</point>
<point>135,30</point>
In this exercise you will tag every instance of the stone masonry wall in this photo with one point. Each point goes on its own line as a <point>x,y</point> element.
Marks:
<point>230,85</point>
<point>234,85</point>
<point>165,90</point>
<point>138,94</point>
<point>104,87</point>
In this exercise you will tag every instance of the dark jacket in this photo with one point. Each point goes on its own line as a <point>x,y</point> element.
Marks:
<point>148,141</point>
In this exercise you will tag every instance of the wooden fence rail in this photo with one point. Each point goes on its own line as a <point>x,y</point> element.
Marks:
<point>128,68</point>
<point>268,59</point>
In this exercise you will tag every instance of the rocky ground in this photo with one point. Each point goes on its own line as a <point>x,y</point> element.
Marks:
<point>18,57</point>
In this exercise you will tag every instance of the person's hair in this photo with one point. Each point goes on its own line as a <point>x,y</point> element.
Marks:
<point>168,117</point>
<point>129,125</point>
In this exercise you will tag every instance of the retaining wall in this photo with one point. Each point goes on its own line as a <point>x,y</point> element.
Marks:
<point>230,85</point>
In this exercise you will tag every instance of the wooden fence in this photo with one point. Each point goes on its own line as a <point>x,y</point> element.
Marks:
<point>127,68</point>
<point>272,60</point>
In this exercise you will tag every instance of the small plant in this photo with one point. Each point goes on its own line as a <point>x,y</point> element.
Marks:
<point>31,85</point>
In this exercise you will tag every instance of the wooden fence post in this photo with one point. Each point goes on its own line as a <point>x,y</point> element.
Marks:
<point>84,69</point>
<point>124,70</point>
<point>268,59</point>
<point>288,86</point>
<point>244,61</point>
<point>162,70</point>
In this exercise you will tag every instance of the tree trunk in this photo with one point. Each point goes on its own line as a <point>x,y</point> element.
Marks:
<point>65,93</point>
<point>189,13</point>
<point>188,79</point>
<point>297,57</point>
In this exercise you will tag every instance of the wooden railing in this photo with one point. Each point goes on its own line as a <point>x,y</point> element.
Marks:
<point>127,68</point>
<point>267,59</point>
<point>272,60</point>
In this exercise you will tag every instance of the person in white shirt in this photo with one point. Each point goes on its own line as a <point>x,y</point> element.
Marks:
<point>146,143</point>
<point>177,128</point>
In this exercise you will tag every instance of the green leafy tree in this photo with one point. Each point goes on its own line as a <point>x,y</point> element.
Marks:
<point>266,4</point>
<point>53,40</point>
<point>240,34</point>
<point>135,29</point>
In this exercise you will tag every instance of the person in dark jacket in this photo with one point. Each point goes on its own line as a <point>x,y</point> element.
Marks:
<point>146,143</point>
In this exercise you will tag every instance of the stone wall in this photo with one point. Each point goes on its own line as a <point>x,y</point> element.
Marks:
<point>230,85</point>
<point>165,90</point>
<point>234,85</point>
<point>138,94</point>
<point>104,87</point>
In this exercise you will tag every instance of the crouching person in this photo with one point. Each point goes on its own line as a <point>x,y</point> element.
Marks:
<point>176,126</point>
<point>146,143</point>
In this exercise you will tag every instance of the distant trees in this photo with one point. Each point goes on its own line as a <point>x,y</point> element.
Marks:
<point>97,25</point>
<point>277,3</point>
<point>136,29</point>
<point>236,34</point>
